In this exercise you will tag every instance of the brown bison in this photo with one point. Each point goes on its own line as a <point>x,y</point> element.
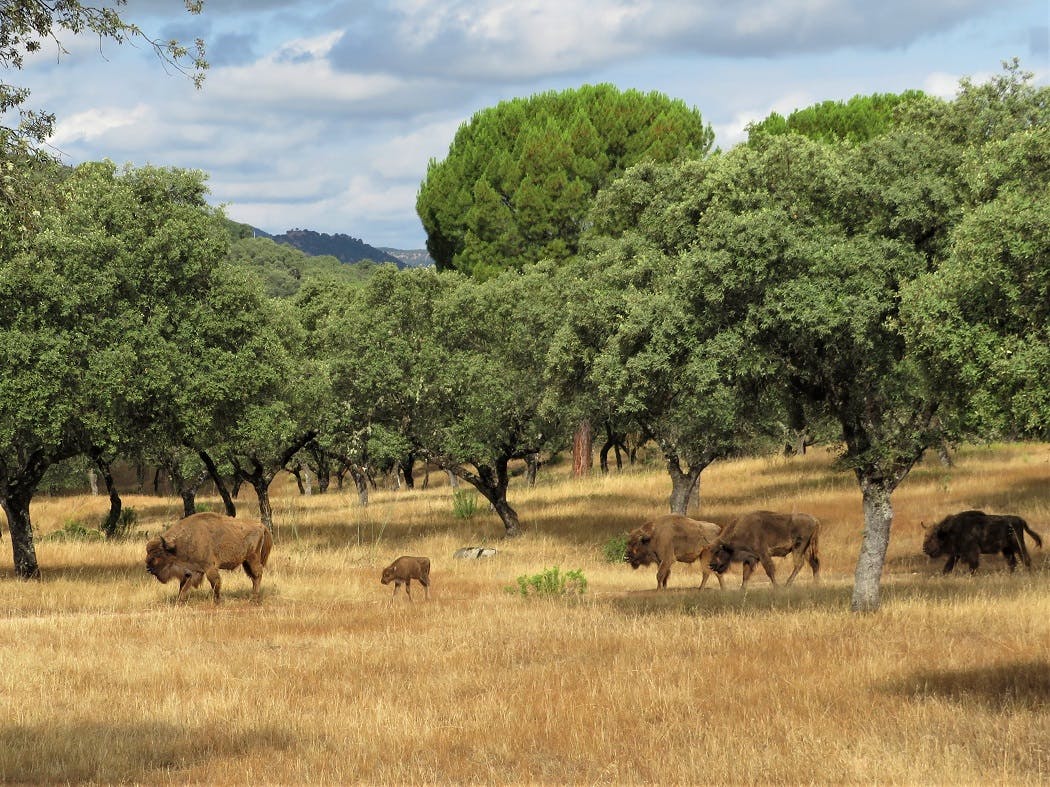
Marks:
<point>669,538</point>
<point>403,570</point>
<point>968,534</point>
<point>760,536</point>
<point>199,545</point>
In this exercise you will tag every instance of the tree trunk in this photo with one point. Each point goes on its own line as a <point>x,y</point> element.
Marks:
<point>93,481</point>
<point>453,481</point>
<point>878,517</point>
<point>261,484</point>
<point>532,466</point>
<point>220,485</point>
<point>683,482</point>
<point>112,522</point>
<point>361,481</point>
<point>408,468</point>
<point>582,448</point>
<point>16,505</point>
<point>492,484</point>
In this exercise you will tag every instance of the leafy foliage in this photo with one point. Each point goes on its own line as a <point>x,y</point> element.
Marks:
<point>552,583</point>
<point>519,177</point>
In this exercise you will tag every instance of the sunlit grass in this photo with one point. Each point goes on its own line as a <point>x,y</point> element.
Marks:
<point>103,679</point>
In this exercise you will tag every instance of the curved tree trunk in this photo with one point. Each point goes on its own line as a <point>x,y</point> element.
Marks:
<point>220,484</point>
<point>361,481</point>
<point>683,483</point>
<point>878,517</point>
<point>15,502</point>
<point>112,522</point>
<point>492,483</point>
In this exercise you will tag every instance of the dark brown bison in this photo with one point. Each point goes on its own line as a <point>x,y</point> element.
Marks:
<point>669,538</point>
<point>199,545</point>
<point>760,536</point>
<point>403,570</point>
<point>969,534</point>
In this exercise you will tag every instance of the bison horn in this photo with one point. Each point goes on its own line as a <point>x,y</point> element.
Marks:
<point>167,547</point>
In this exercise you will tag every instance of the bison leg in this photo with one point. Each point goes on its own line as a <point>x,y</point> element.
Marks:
<point>767,564</point>
<point>662,574</point>
<point>1011,558</point>
<point>408,588</point>
<point>425,582</point>
<point>189,580</point>
<point>216,583</point>
<point>745,571</point>
<point>949,564</point>
<point>254,572</point>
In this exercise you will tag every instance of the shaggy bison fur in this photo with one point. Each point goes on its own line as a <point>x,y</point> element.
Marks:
<point>671,538</point>
<point>403,570</point>
<point>760,536</point>
<point>201,544</point>
<point>969,534</point>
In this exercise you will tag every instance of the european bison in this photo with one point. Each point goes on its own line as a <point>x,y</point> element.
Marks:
<point>969,533</point>
<point>760,536</point>
<point>199,545</point>
<point>669,538</point>
<point>403,570</point>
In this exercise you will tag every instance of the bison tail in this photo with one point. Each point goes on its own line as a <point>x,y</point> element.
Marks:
<point>267,545</point>
<point>1035,536</point>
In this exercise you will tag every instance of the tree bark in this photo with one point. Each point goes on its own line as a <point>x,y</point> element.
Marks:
<point>220,485</point>
<point>361,481</point>
<point>15,502</point>
<point>492,483</point>
<point>532,466</point>
<point>582,448</point>
<point>683,482</point>
<point>878,517</point>
<point>111,524</point>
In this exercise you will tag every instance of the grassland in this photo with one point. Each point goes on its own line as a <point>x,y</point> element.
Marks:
<point>103,679</point>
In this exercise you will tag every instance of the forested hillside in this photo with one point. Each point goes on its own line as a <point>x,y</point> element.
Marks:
<point>343,247</point>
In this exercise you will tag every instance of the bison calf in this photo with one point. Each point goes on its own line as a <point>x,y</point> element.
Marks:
<point>403,570</point>
<point>199,545</point>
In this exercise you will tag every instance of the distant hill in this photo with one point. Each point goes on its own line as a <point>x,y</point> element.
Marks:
<point>412,258</point>
<point>343,247</point>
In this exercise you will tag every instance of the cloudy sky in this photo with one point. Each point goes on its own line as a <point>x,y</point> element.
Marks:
<point>323,114</point>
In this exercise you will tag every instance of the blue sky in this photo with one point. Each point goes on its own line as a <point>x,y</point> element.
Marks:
<point>323,115</point>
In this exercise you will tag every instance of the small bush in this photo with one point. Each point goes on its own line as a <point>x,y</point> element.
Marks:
<point>615,549</point>
<point>73,530</point>
<point>551,582</point>
<point>127,520</point>
<point>464,504</point>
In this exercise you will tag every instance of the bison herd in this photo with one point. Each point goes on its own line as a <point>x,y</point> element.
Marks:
<point>200,545</point>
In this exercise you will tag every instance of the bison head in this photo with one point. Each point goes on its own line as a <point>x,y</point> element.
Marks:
<point>721,557</point>
<point>639,551</point>
<point>388,575</point>
<point>160,559</point>
<point>934,543</point>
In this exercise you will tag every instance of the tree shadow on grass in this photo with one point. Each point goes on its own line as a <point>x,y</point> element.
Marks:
<point>804,596</point>
<point>1000,687</point>
<point>64,750</point>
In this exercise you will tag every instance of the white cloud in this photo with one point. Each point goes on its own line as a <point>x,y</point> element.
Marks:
<point>94,123</point>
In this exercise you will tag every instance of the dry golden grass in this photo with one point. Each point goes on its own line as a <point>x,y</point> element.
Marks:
<point>103,680</point>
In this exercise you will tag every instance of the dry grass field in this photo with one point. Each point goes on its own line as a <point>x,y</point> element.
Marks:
<point>104,680</point>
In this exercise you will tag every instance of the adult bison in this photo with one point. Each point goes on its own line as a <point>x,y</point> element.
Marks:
<point>199,545</point>
<point>760,536</point>
<point>969,534</point>
<point>669,538</point>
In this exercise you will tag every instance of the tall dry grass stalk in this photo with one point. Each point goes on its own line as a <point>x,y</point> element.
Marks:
<point>103,680</point>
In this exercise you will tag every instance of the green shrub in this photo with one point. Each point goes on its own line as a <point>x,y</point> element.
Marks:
<point>464,504</point>
<point>72,530</point>
<point>615,549</point>
<point>551,582</point>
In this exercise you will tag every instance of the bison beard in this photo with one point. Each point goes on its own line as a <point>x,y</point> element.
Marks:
<point>201,544</point>
<point>969,534</point>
